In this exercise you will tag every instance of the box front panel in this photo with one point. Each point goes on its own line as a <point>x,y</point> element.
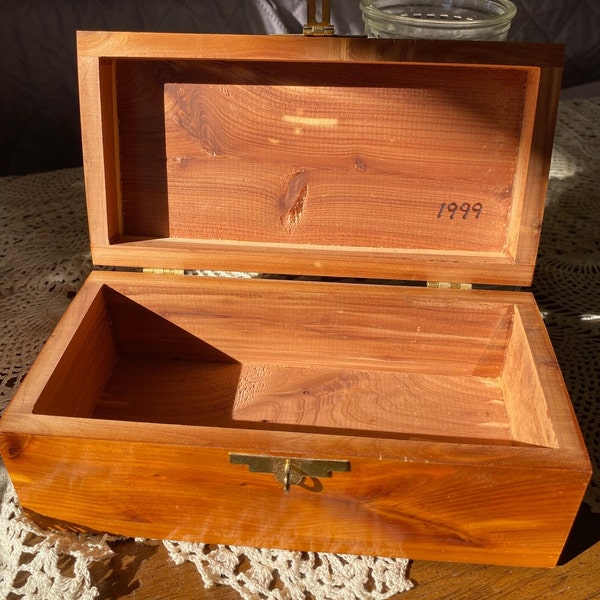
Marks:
<point>461,512</point>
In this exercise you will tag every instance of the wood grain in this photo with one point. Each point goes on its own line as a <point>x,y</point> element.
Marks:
<point>522,388</point>
<point>461,512</point>
<point>267,396</point>
<point>302,323</point>
<point>363,402</point>
<point>84,367</point>
<point>240,157</point>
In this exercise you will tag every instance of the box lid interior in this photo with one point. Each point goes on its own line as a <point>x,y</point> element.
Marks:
<point>332,156</point>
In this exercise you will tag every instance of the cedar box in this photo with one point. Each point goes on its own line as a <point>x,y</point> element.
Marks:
<point>362,417</point>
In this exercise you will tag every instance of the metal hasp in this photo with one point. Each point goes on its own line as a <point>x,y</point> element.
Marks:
<point>323,27</point>
<point>289,471</point>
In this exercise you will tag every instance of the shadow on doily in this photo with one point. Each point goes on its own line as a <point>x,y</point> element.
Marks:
<point>126,562</point>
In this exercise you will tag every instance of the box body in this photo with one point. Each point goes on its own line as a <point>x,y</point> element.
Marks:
<point>155,406</point>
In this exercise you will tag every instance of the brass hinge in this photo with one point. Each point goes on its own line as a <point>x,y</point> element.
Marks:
<point>447,285</point>
<point>158,271</point>
<point>318,28</point>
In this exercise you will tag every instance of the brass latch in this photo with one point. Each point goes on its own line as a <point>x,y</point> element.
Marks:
<point>323,27</point>
<point>289,471</point>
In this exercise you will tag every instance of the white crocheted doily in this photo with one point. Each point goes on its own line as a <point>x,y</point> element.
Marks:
<point>44,259</point>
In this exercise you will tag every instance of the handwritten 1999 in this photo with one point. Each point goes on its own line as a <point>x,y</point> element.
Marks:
<point>464,210</point>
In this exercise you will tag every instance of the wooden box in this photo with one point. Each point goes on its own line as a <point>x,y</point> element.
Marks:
<point>363,417</point>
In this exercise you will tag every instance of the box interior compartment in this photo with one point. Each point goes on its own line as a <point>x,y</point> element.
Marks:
<point>423,157</point>
<point>325,363</point>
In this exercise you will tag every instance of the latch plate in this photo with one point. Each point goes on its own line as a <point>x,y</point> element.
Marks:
<point>287,470</point>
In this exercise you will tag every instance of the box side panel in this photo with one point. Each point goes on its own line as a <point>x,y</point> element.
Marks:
<point>540,154</point>
<point>81,373</point>
<point>463,512</point>
<point>74,362</point>
<point>536,394</point>
<point>523,392</point>
<point>99,135</point>
<point>307,323</point>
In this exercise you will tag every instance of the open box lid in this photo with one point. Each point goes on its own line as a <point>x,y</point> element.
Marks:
<point>329,156</point>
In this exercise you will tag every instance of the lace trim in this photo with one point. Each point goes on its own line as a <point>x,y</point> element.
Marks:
<point>285,575</point>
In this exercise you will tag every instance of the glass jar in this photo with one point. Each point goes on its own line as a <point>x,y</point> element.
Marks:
<point>438,19</point>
